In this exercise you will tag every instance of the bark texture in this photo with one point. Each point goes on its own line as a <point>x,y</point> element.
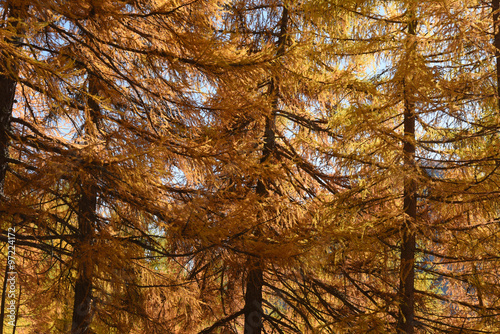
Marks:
<point>406,312</point>
<point>82,307</point>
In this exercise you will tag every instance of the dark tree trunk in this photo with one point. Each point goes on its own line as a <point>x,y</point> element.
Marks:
<point>82,307</point>
<point>7,94</point>
<point>255,279</point>
<point>4,295</point>
<point>87,205</point>
<point>407,272</point>
<point>253,300</point>
<point>253,297</point>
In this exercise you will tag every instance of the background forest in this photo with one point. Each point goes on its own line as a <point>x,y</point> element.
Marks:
<point>249,166</point>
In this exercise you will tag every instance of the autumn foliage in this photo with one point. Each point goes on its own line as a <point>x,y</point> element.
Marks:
<point>258,166</point>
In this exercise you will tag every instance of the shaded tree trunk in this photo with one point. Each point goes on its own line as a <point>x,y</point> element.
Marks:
<point>87,205</point>
<point>406,312</point>
<point>82,307</point>
<point>253,299</point>
<point>255,279</point>
<point>7,94</point>
<point>4,294</point>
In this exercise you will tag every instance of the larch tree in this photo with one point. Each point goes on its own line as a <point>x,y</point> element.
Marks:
<point>400,111</point>
<point>120,192</point>
<point>291,178</point>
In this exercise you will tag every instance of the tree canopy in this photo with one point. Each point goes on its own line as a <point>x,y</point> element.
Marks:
<point>249,166</point>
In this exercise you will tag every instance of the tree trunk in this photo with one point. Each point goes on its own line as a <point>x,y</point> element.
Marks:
<point>4,295</point>
<point>82,307</point>
<point>87,205</point>
<point>253,299</point>
<point>407,272</point>
<point>7,94</point>
<point>255,279</point>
